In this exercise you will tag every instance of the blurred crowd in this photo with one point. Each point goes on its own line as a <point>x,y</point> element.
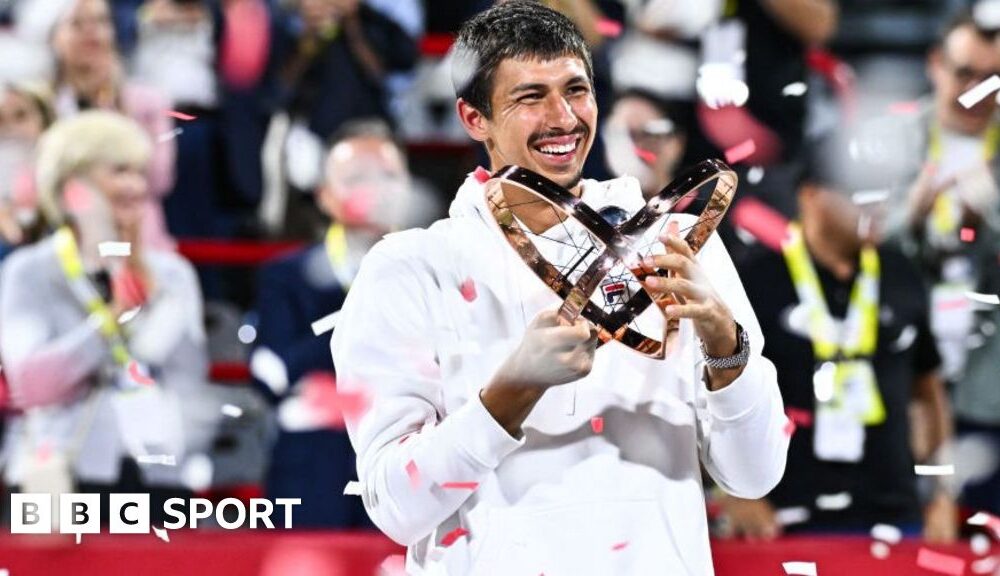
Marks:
<point>156,156</point>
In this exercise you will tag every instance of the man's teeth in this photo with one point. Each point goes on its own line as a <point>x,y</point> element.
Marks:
<point>563,149</point>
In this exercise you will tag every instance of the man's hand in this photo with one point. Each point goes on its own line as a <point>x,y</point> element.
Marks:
<point>751,519</point>
<point>550,354</point>
<point>941,520</point>
<point>695,299</point>
<point>922,194</point>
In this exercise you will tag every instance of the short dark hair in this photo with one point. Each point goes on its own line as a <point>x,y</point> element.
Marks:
<point>519,29</point>
<point>366,128</point>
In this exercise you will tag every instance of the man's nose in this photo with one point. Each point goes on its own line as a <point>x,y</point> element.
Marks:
<point>560,113</point>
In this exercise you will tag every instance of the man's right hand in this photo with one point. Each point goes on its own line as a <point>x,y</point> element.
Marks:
<point>751,519</point>
<point>551,353</point>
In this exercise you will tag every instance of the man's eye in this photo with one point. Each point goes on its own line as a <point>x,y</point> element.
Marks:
<point>528,98</point>
<point>577,90</point>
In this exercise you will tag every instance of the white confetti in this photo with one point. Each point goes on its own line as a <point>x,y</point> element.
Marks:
<point>979,519</point>
<point>268,367</point>
<point>325,324</point>
<point>940,470</point>
<point>865,197</point>
<point>197,472</point>
<point>973,96</point>
<point>107,249</point>
<point>160,459</point>
<point>789,516</point>
<point>168,136</point>
<point>246,334</point>
<point>127,316</point>
<point>231,410</point>
<point>980,544</point>
<point>799,568</point>
<point>887,533</point>
<point>837,501</point>
<point>991,299</point>
<point>353,488</point>
<point>161,534</point>
<point>755,174</point>
<point>880,550</point>
<point>794,89</point>
<point>79,537</point>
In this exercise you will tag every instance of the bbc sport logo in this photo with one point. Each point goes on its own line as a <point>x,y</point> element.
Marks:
<point>129,513</point>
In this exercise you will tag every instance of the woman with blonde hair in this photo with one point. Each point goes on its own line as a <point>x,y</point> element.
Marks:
<point>101,350</point>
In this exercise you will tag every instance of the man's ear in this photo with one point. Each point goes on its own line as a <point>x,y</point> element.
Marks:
<point>472,120</point>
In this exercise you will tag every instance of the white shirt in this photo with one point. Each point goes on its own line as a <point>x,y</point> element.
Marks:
<point>563,499</point>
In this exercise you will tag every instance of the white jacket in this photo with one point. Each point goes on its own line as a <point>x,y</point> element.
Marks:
<point>563,500</point>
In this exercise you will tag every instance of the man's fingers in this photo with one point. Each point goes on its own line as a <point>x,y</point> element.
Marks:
<point>676,244</point>
<point>678,286</point>
<point>677,263</point>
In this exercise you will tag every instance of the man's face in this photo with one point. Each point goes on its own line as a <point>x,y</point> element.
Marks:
<point>367,184</point>
<point>964,60</point>
<point>85,34</point>
<point>651,139</point>
<point>544,114</point>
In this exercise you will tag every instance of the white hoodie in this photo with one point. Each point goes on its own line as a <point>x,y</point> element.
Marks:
<point>563,500</point>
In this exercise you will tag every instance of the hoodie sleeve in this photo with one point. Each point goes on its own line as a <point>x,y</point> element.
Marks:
<point>743,440</point>
<point>406,442</point>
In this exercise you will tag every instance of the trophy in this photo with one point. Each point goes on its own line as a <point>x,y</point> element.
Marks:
<point>606,254</point>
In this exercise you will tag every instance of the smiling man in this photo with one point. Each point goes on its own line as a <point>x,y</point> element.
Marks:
<point>473,452</point>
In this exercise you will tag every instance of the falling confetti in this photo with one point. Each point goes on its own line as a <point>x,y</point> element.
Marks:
<point>270,369</point>
<point>161,534</point>
<point>887,533</point>
<point>794,89</point>
<point>452,536</point>
<point>980,91</point>
<point>936,470</point>
<point>967,234</point>
<point>231,410</point>
<point>645,155</point>
<point>135,373</point>
<point>460,485</point>
<point>168,136</point>
<point>838,501</point>
<point>988,521</point>
<point>941,563</point>
<point>880,550</point>
<point>353,488</point>
<point>619,546</point>
<point>325,324</point>
<point>789,427</point>
<point>979,544</point>
<point>413,473</point>
<point>128,315</point>
<point>741,152</point>
<point>109,249</point>
<point>755,174</point>
<point>597,424</point>
<point>609,28</point>
<point>468,289</point>
<point>790,516</point>
<point>906,108</point>
<point>981,566</point>
<point>180,115</point>
<point>992,299</point>
<point>482,175</point>
<point>866,197</point>
<point>800,417</point>
<point>799,568</point>
<point>157,459</point>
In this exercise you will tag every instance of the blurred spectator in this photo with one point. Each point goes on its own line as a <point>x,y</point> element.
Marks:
<point>25,112</point>
<point>23,40</point>
<point>949,225</point>
<point>89,75</point>
<point>644,139</point>
<point>847,327</point>
<point>328,65</point>
<point>98,397</point>
<point>366,195</point>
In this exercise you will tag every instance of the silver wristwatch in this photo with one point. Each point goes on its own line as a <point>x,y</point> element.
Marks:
<point>737,360</point>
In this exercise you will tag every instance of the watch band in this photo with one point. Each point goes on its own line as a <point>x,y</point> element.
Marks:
<point>737,360</point>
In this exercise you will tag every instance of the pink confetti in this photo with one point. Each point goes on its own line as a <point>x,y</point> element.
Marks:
<point>180,115</point>
<point>967,234</point>
<point>789,427</point>
<point>904,108</point>
<point>243,63</point>
<point>405,438</point>
<point>645,155</point>
<point>137,376</point>
<point>482,175</point>
<point>452,536</point>
<point>460,485</point>
<point>741,151</point>
<point>597,424</point>
<point>764,223</point>
<point>941,563</point>
<point>468,289</point>
<point>413,473</point>
<point>321,393</point>
<point>800,417</point>
<point>619,546</point>
<point>609,28</point>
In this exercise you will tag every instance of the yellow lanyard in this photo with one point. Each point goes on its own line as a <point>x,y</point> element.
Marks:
<point>87,294</point>
<point>945,213</point>
<point>335,244</point>
<point>860,335</point>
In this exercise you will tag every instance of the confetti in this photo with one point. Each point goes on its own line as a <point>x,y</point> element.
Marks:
<point>799,568</point>
<point>981,566</point>
<point>979,544</point>
<point>794,89</point>
<point>129,315</point>
<point>904,108</point>
<point>764,223</point>
<point>482,175</point>
<point>865,197</point>
<point>880,550</point>
<point>468,289</point>
<point>269,368</point>
<point>159,459</point>
<point>135,373</point>
<point>755,174</point>
<point>741,152</point>
<point>838,501</point>
<point>987,521</point>
<point>967,234</point>
<point>608,28</point>
<point>597,424</point>
<point>394,565</point>
<point>413,473</point>
<point>108,249</point>
<point>800,417</point>
<point>452,536</point>
<point>980,91</point>
<point>645,155</point>
<point>231,410</point>
<point>790,516</point>
<point>992,299</point>
<point>460,485</point>
<point>161,534</point>
<point>180,115</point>
<point>168,136</point>
<point>887,533</point>
<point>325,324</point>
<point>353,488</point>
<point>941,563</point>
<point>789,427</point>
<point>619,546</point>
<point>939,470</point>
